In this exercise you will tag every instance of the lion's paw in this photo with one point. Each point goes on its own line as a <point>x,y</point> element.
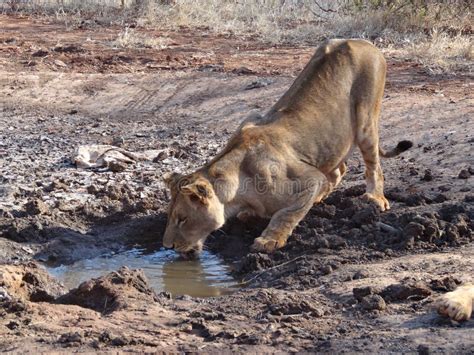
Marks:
<point>456,305</point>
<point>267,245</point>
<point>379,200</point>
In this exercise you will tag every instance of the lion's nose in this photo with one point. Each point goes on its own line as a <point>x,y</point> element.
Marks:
<point>168,242</point>
<point>168,245</point>
<point>168,239</point>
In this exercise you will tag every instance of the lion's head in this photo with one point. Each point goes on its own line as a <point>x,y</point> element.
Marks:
<point>194,212</point>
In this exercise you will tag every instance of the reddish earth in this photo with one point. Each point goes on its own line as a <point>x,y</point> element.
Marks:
<point>350,278</point>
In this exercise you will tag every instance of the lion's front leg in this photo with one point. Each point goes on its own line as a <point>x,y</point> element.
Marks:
<point>285,220</point>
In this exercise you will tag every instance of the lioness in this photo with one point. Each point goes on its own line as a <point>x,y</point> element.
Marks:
<point>279,165</point>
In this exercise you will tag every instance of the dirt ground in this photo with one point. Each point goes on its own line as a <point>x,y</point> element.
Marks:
<point>351,279</point>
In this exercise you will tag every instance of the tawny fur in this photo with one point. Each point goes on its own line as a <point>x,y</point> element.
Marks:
<point>277,166</point>
<point>458,304</point>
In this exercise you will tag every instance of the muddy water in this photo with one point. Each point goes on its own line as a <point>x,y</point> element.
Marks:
<point>204,277</point>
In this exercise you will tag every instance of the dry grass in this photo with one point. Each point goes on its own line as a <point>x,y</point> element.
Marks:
<point>130,38</point>
<point>434,33</point>
<point>439,53</point>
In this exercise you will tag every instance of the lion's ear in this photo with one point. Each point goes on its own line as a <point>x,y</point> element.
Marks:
<point>198,191</point>
<point>172,179</point>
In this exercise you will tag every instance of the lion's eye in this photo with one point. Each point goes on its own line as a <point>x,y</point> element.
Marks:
<point>181,221</point>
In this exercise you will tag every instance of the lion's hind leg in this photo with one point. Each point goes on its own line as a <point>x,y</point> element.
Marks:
<point>457,305</point>
<point>334,179</point>
<point>337,175</point>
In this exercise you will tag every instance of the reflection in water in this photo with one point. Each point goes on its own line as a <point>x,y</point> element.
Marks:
<point>205,277</point>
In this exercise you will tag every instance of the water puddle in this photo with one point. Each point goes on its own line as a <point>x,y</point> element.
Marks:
<point>204,277</point>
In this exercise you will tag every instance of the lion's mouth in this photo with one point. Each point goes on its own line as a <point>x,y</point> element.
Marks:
<point>189,253</point>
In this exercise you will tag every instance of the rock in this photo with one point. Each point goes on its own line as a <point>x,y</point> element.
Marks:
<point>285,305</point>
<point>439,198</point>
<point>324,211</point>
<point>13,325</point>
<point>415,200</point>
<point>446,284</point>
<point>4,296</point>
<point>113,192</point>
<point>120,341</point>
<point>427,176</point>
<point>70,48</point>
<point>243,71</point>
<point>94,190</point>
<point>319,241</point>
<point>40,53</point>
<point>161,156</point>
<point>60,63</point>
<point>413,171</point>
<point>361,292</point>
<point>367,215</point>
<point>71,339</point>
<point>117,166</point>
<point>464,174</point>
<point>326,269</point>
<point>59,185</point>
<point>373,302</point>
<point>413,230</point>
<point>13,306</point>
<point>118,141</point>
<point>361,274</point>
<point>35,207</point>
<point>260,83</point>
<point>211,68</point>
<point>336,242</point>
<point>423,350</point>
<point>354,191</point>
<point>211,315</point>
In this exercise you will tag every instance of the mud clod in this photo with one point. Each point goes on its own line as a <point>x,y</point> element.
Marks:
<point>13,325</point>
<point>71,339</point>
<point>446,284</point>
<point>373,302</point>
<point>464,174</point>
<point>29,282</point>
<point>413,230</point>
<point>361,274</point>
<point>293,306</point>
<point>254,262</point>
<point>35,207</point>
<point>402,292</point>
<point>367,215</point>
<point>427,176</point>
<point>117,167</point>
<point>361,292</point>
<point>111,292</point>
<point>336,242</point>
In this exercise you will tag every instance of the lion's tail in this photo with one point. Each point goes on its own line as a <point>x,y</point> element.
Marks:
<point>400,148</point>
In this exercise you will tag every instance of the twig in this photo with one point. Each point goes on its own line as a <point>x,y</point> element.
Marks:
<point>323,9</point>
<point>272,268</point>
